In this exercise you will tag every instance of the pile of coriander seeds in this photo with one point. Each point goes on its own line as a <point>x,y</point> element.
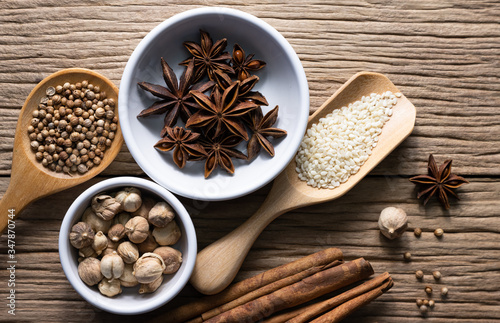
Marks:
<point>72,127</point>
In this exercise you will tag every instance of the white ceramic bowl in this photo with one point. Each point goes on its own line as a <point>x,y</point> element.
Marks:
<point>282,82</point>
<point>129,301</point>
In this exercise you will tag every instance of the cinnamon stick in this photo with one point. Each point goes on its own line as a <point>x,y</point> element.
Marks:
<point>322,307</point>
<point>267,289</point>
<point>194,309</point>
<point>303,291</point>
<point>344,310</point>
<point>284,316</point>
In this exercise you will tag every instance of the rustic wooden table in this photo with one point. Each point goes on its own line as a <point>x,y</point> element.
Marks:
<point>443,55</point>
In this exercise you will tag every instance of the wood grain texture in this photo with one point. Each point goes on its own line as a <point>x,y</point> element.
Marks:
<point>443,55</point>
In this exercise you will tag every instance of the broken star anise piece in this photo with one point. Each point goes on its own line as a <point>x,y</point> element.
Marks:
<point>261,127</point>
<point>438,181</point>
<point>221,111</point>
<point>208,57</point>
<point>245,93</point>
<point>243,64</point>
<point>184,142</point>
<point>176,99</point>
<point>219,153</point>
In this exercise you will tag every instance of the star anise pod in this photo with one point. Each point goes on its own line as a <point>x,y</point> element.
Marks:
<point>176,99</point>
<point>243,64</point>
<point>219,153</point>
<point>184,142</point>
<point>261,127</point>
<point>438,181</point>
<point>208,57</point>
<point>246,86</point>
<point>221,111</point>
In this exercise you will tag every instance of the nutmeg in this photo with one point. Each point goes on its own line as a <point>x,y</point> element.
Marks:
<point>112,266</point>
<point>129,198</point>
<point>167,235</point>
<point>107,251</point>
<point>392,222</point>
<point>128,251</point>
<point>100,242</point>
<point>146,206</point>
<point>87,251</point>
<point>161,214</point>
<point>148,245</point>
<point>151,287</point>
<point>116,232</point>
<point>81,235</point>
<point>122,218</point>
<point>127,279</point>
<point>137,229</point>
<point>89,271</point>
<point>97,223</point>
<point>171,257</point>
<point>148,268</point>
<point>110,288</point>
<point>105,206</point>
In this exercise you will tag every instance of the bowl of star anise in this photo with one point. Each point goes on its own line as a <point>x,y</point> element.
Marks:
<point>213,103</point>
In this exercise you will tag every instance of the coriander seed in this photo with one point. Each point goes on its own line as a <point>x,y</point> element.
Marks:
<point>423,309</point>
<point>417,232</point>
<point>436,274</point>
<point>431,303</point>
<point>444,291</point>
<point>439,232</point>
<point>82,169</point>
<point>34,145</point>
<point>407,256</point>
<point>50,91</point>
<point>420,302</point>
<point>419,274</point>
<point>428,290</point>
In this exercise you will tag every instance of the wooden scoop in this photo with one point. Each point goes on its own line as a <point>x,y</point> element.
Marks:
<point>217,265</point>
<point>29,180</point>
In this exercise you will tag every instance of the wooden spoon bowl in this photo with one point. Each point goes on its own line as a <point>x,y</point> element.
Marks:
<point>30,180</point>
<point>217,265</point>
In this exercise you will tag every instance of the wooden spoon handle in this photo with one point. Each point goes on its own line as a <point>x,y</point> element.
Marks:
<point>26,185</point>
<point>217,265</point>
<point>12,203</point>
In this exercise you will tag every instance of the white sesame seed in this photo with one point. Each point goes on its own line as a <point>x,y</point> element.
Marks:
<point>339,144</point>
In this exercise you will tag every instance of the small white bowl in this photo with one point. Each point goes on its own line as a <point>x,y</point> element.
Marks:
<point>283,82</point>
<point>129,301</point>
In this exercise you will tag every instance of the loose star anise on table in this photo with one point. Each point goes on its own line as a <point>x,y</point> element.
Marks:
<point>219,153</point>
<point>185,145</point>
<point>176,99</point>
<point>222,112</point>
<point>261,126</point>
<point>208,57</point>
<point>242,64</point>
<point>438,181</point>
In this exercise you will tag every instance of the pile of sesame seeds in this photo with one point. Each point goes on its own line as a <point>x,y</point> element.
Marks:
<point>339,144</point>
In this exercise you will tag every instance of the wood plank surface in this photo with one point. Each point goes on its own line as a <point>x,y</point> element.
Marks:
<point>443,55</point>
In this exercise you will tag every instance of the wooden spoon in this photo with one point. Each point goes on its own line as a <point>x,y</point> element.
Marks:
<point>29,180</point>
<point>217,265</point>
